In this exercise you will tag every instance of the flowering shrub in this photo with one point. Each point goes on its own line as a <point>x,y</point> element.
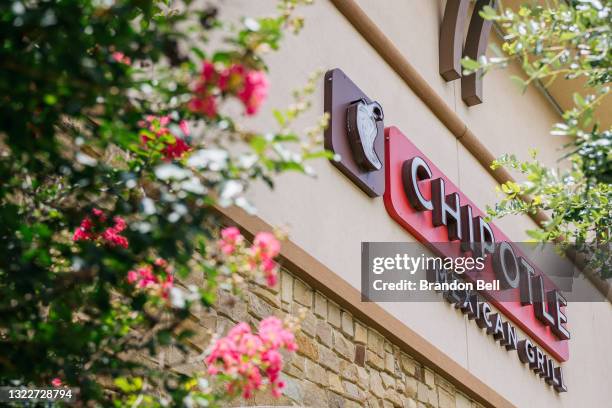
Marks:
<point>129,118</point>
<point>553,42</point>
<point>244,358</point>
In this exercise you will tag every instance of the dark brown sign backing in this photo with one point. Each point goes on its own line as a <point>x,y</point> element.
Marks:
<point>451,45</point>
<point>340,92</point>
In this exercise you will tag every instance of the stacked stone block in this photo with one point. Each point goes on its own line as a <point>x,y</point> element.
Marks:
<point>341,362</point>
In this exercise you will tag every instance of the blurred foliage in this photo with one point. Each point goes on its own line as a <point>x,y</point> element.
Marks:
<point>77,79</point>
<point>556,41</point>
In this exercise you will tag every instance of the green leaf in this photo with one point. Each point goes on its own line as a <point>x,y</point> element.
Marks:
<point>579,100</point>
<point>286,137</point>
<point>259,144</point>
<point>278,115</point>
<point>50,99</point>
<point>538,235</point>
<point>222,57</point>
<point>291,166</point>
<point>199,53</point>
<point>488,13</point>
<point>323,154</point>
<point>522,84</point>
<point>470,64</point>
<point>128,385</point>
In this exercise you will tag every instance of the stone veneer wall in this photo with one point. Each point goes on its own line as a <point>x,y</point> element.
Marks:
<point>340,362</point>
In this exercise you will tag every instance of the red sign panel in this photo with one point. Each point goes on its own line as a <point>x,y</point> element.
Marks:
<point>419,223</point>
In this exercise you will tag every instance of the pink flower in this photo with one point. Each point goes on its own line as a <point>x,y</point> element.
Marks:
<point>254,91</point>
<point>266,245</point>
<point>56,382</point>
<point>206,105</point>
<point>273,359</point>
<point>111,234</point>
<point>132,277</point>
<point>249,86</point>
<point>184,127</point>
<point>268,265</point>
<point>271,275</point>
<point>89,230</point>
<point>260,256</point>
<point>232,78</point>
<point>250,344</point>
<point>174,146</point>
<point>99,213</point>
<point>208,71</point>
<point>117,240</point>
<point>121,58</point>
<point>120,224</point>
<point>203,100</point>
<point>231,233</point>
<point>277,391</point>
<point>83,232</point>
<point>166,286</point>
<point>274,335</point>
<point>230,238</point>
<point>145,277</point>
<point>245,356</point>
<point>162,263</point>
<point>175,150</point>
<point>239,330</point>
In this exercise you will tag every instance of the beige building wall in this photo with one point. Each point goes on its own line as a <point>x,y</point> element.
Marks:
<point>329,216</point>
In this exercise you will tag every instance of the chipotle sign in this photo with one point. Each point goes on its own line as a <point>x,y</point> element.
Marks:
<point>419,197</point>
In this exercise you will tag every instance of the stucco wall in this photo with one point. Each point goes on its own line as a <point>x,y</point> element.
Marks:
<point>329,217</point>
